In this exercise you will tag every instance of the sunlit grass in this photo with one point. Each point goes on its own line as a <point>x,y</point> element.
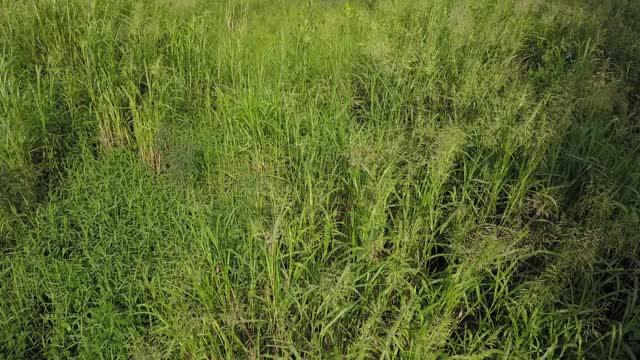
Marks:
<point>319,179</point>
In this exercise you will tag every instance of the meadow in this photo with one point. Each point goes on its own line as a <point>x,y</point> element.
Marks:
<point>320,179</point>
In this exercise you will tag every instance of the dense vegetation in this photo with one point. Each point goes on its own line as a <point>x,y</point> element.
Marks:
<point>184,179</point>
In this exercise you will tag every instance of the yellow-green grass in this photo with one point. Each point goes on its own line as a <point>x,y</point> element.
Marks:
<point>444,179</point>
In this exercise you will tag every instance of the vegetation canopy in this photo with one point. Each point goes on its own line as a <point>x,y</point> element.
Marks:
<point>262,179</point>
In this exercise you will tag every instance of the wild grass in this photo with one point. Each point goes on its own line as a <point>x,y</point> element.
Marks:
<point>186,179</point>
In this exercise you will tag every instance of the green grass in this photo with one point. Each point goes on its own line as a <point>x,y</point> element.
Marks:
<point>445,179</point>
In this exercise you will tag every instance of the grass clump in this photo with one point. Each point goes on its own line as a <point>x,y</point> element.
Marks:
<point>323,179</point>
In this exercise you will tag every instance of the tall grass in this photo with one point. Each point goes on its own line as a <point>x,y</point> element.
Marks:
<point>319,179</point>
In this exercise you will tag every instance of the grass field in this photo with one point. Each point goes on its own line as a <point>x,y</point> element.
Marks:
<point>255,179</point>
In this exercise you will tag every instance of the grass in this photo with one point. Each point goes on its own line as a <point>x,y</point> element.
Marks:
<point>187,179</point>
